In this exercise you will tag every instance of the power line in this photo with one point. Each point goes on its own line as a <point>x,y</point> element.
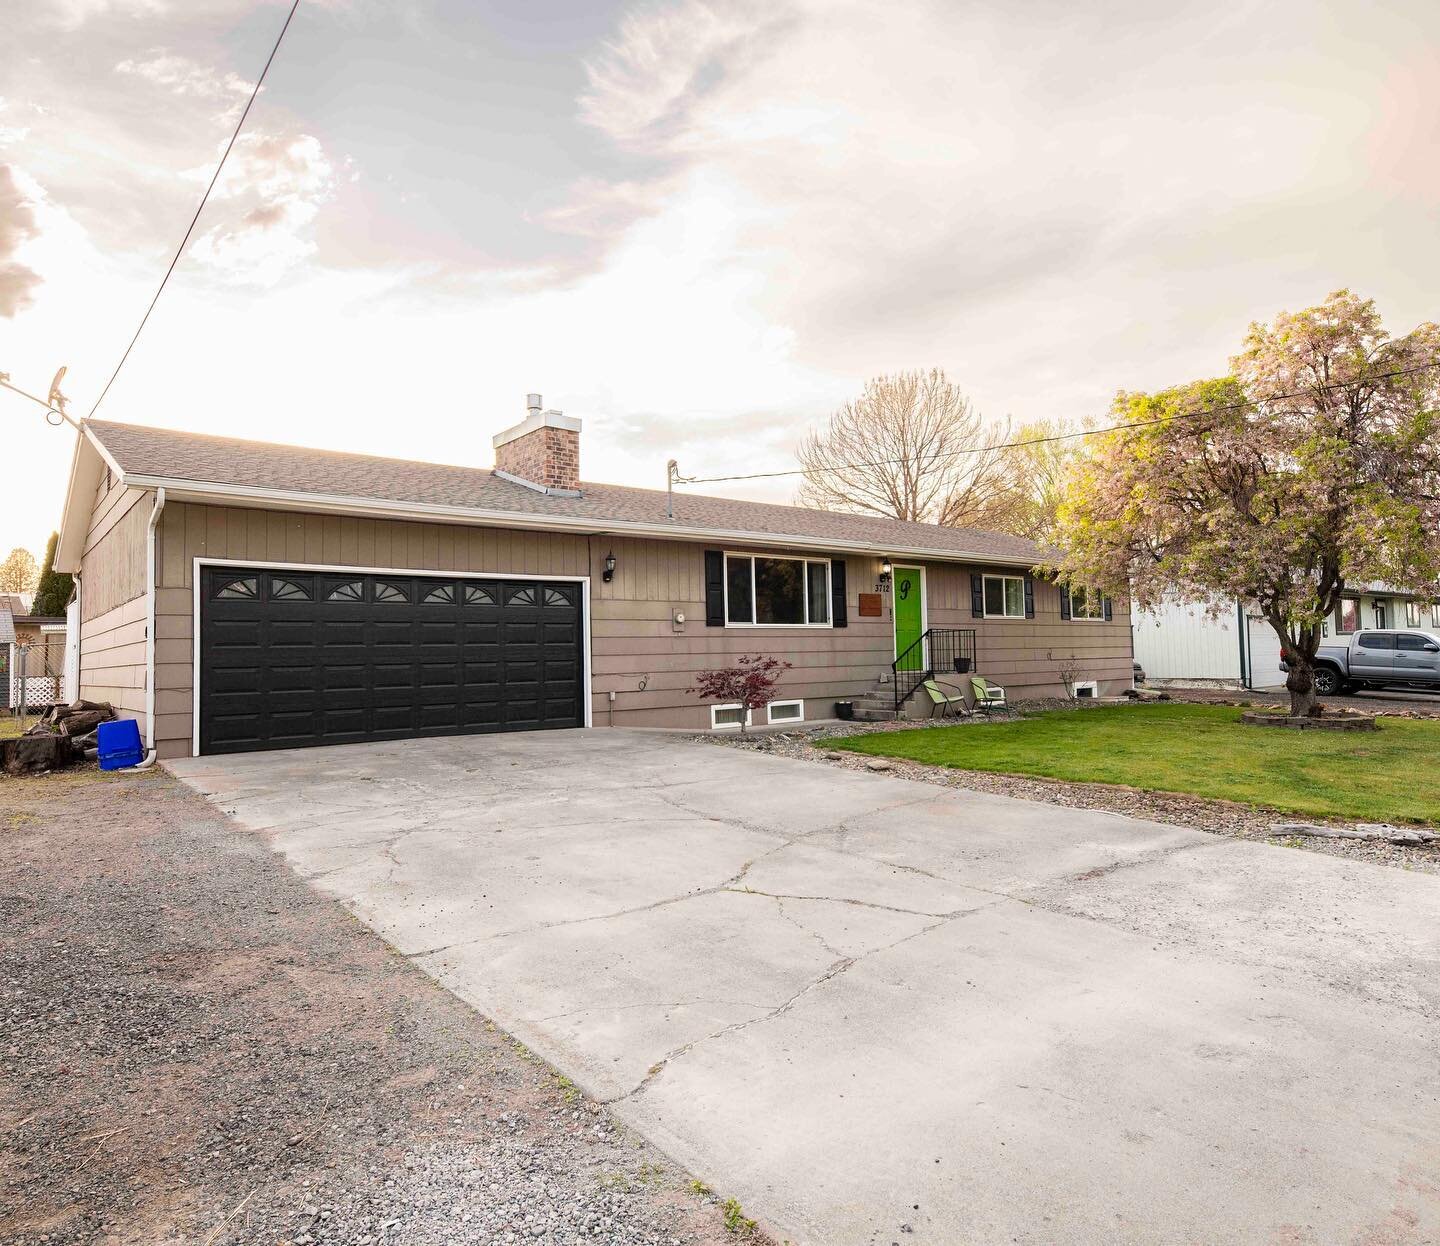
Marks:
<point>49,405</point>
<point>1040,441</point>
<point>15,389</point>
<point>175,259</point>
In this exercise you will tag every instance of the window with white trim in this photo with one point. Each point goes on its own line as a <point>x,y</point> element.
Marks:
<point>1417,614</point>
<point>728,717</point>
<point>765,591</point>
<point>1086,690</point>
<point>1086,605</point>
<point>786,711</point>
<point>1004,596</point>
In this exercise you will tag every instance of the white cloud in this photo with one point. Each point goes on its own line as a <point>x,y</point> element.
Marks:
<point>71,14</point>
<point>11,133</point>
<point>645,83</point>
<point>18,282</point>
<point>182,76</point>
<point>268,197</point>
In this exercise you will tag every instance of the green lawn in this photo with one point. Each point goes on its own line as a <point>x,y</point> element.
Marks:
<point>1389,775</point>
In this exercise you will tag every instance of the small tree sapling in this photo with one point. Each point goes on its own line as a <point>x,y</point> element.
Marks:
<point>750,684</point>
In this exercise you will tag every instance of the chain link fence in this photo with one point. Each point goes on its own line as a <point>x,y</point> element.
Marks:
<point>36,674</point>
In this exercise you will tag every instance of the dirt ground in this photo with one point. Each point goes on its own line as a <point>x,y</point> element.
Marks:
<point>195,1048</point>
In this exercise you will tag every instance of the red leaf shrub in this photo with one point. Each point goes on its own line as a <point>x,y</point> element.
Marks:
<point>750,683</point>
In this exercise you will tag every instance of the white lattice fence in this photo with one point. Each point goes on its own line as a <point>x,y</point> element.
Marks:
<point>36,674</point>
<point>39,690</point>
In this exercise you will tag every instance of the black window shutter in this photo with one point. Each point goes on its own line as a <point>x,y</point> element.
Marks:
<point>1029,597</point>
<point>837,593</point>
<point>1064,602</point>
<point>977,595</point>
<point>714,588</point>
<point>1109,611</point>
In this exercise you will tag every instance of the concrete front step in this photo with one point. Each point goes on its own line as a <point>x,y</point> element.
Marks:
<point>875,716</point>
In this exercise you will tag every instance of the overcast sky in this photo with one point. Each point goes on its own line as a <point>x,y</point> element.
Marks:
<point>698,227</point>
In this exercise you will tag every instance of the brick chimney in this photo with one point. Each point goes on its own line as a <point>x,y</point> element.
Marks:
<point>542,451</point>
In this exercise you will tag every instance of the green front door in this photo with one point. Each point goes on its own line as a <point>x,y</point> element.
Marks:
<point>907,592</point>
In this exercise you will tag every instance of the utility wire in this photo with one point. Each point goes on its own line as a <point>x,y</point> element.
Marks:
<point>1040,441</point>
<point>15,389</point>
<point>175,259</point>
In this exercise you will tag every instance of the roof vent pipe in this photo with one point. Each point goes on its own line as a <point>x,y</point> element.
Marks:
<point>532,401</point>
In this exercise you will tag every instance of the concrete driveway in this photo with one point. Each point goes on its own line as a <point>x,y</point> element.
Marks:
<point>876,1010</point>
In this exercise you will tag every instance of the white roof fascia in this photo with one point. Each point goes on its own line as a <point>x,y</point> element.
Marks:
<point>86,464</point>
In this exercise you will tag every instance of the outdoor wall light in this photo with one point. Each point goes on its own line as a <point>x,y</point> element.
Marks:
<point>609,568</point>
<point>885,570</point>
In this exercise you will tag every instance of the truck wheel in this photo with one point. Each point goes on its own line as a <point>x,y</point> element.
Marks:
<point>1328,682</point>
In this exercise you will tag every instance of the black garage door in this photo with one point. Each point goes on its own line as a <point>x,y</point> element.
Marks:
<point>295,658</point>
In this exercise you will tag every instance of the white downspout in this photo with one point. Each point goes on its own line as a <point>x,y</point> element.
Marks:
<point>150,630</point>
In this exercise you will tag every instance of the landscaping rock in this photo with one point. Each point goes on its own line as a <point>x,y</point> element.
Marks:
<point>1365,830</point>
<point>878,765</point>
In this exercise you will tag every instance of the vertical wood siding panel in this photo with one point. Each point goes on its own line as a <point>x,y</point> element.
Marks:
<point>314,538</point>
<point>349,540</point>
<point>330,538</point>
<point>365,541</point>
<point>172,545</point>
<point>256,535</point>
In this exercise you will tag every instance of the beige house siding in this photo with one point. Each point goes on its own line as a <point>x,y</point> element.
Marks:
<point>637,650</point>
<point>112,601</point>
<point>112,659</point>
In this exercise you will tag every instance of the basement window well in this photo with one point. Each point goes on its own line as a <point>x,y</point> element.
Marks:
<point>728,717</point>
<point>786,711</point>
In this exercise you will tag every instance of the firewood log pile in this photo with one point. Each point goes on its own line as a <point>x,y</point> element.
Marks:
<point>64,735</point>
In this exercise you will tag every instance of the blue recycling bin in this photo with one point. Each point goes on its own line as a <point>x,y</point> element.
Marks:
<point>119,744</point>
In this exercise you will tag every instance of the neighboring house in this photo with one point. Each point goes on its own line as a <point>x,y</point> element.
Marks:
<point>299,597</point>
<point>1182,642</point>
<point>33,648</point>
<point>1378,605</point>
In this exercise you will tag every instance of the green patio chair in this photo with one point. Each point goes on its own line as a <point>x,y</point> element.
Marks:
<point>988,697</point>
<point>945,697</point>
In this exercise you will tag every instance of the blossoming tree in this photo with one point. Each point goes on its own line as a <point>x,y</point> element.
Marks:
<point>1313,466</point>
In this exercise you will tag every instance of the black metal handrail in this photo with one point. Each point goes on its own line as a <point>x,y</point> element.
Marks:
<point>945,650</point>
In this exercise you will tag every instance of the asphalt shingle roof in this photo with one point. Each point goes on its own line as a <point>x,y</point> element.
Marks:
<point>174,455</point>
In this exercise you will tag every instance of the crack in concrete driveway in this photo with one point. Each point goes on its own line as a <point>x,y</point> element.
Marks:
<point>855,1002</point>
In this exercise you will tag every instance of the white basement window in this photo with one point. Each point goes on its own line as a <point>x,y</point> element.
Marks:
<point>728,717</point>
<point>1086,690</point>
<point>764,591</point>
<point>1004,597</point>
<point>786,711</point>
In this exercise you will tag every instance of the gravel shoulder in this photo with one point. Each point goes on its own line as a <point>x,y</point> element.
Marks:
<point>1215,816</point>
<point>198,1049</point>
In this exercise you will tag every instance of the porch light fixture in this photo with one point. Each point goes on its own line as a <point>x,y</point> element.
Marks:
<point>609,568</point>
<point>885,570</point>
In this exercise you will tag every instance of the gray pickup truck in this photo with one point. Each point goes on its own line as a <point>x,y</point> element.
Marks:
<point>1398,658</point>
